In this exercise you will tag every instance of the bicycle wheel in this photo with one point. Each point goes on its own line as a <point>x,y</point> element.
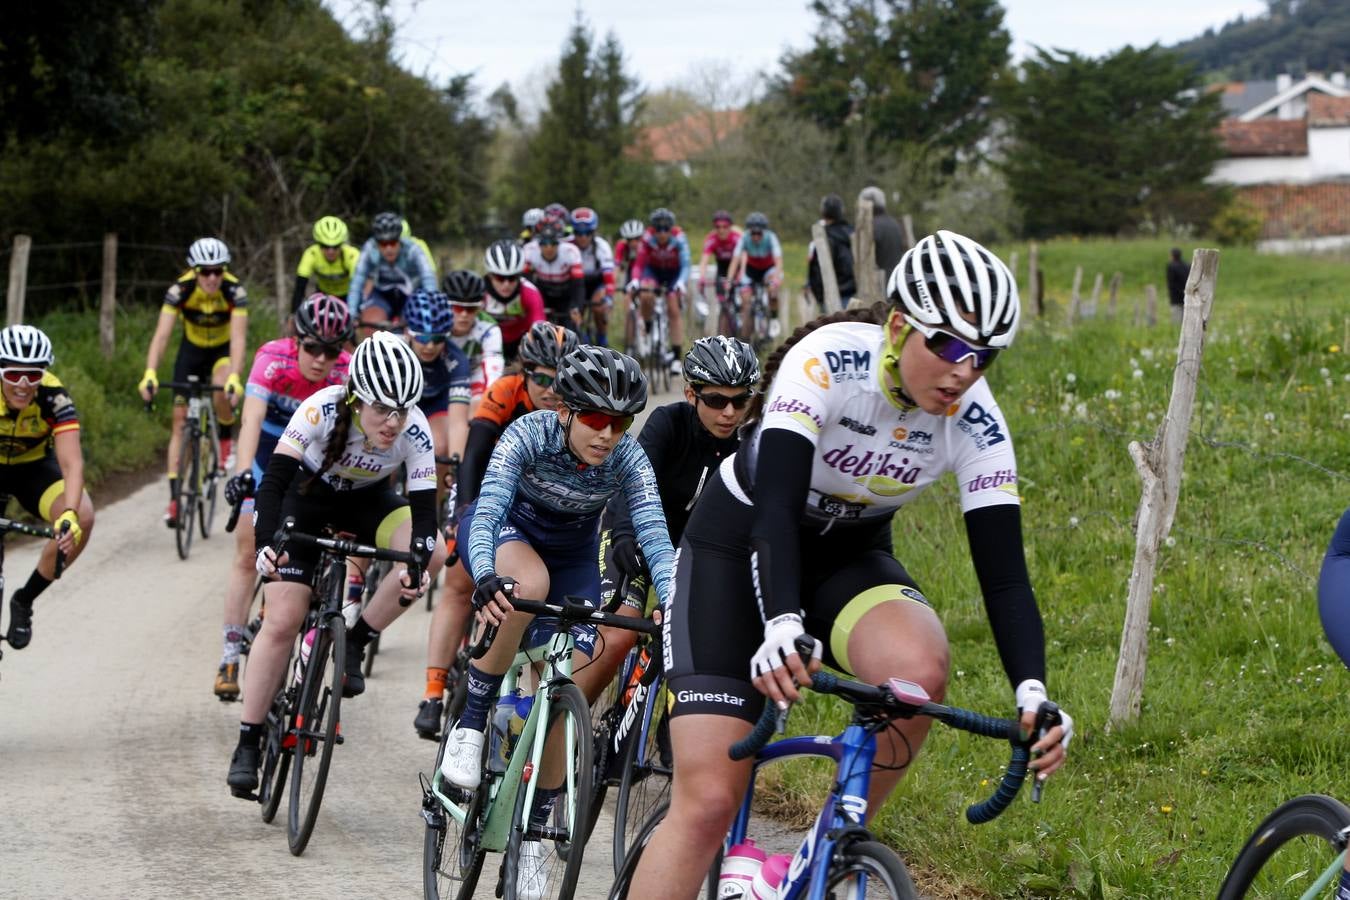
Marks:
<point>546,860</point>
<point>209,486</point>
<point>1295,852</point>
<point>276,762</point>
<point>452,858</point>
<point>316,729</point>
<point>374,575</point>
<point>872,866</point>
<point>645,780</point>
<point>188,467</point>
<point>627,867</point>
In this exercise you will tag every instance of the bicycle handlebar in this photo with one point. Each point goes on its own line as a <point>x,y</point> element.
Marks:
<point>573,610</point>
<point>888,699</point>
<point>342,546</point>
<point>42,531</point>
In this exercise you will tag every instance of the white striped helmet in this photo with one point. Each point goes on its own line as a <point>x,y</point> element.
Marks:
<point>504,258</point>
<point>208,251</point>
<point>946,275</point>
<point>385,370</point>
<point>26,345</point>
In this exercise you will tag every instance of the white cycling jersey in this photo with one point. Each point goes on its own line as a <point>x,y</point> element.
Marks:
<point>598,258</point>
<point>362,463</point>
<point>872,456</point>
<point>483,346</point>
<point>550,276</point>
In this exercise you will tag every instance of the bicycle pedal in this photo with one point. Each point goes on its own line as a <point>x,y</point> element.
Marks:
<point>245,795</point>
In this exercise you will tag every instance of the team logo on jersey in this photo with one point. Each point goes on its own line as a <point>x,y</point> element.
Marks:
<point>981,426</point>
<point>815,371</point>
<point>799,411</point>
<point>860,427</point>
<point>849,365</point>
<point>884,467</point>
<point>312,415</point>
<point>911,441</point>
<point>1004,480</point>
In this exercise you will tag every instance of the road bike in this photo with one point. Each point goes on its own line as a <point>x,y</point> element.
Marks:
<point>754,302</point>
<point>303,723</point>
<point>42,531</point>
<point>839,856</point>
<point>200,468</point>
<point>462,826</point>
<point>1298,851</point>
<point>648,340</point>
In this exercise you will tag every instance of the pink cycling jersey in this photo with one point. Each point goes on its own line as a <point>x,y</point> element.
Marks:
<point>515,314</point>
<point>721,247</point>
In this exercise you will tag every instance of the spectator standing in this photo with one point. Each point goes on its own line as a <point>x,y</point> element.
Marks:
<point>837,233</point>
<point>1178,271</point>
<point>887,234</point>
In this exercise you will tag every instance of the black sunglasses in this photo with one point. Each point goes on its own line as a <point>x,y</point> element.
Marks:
<point>208,271</point>
<point>720,401</point>
<point>541,379</point>
<point>318,348</point>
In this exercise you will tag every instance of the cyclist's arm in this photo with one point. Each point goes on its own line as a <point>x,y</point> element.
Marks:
<point>657,433</point>
<point>160,342</point>
<point>782,482</point>
<point>514,452</point>
<point>458,420</point>
<point>492,359</point>
<point>649,519</point>
<point>281,471</point>
<point>70,458</point>
<point>737,261</point>
<point>250,430</point>
<point>483,434</point>
<point>303,272</point>
<point>238,339</point>
<point>426,270</point>
<point>684,264</point>
<point>357,287</point>
<point>298,295</point>
<point>531,305</point>
<point>995,535</point>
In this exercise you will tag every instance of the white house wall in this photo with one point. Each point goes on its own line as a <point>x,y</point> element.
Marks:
<point>1264,170</point>
<point>1329,150</point>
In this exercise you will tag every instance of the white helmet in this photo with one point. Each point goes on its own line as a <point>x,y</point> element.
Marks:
<point>385,370</point>
<point>947,275</point>
<point>504,258</point>
<point>531,217</point>
<point>25,345</point>
<point>208,252</point>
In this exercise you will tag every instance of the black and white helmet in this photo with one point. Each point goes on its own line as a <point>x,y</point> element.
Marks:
<point>25,345</point>
<point>723,361</point>
<point>545,344</point>
<point>385,370</point>
<point>632,229</point>
<point>601,379</point>
<point>208,252</point>
<point>946,275</point>
<point>504,258</point>
<point>387,226</point>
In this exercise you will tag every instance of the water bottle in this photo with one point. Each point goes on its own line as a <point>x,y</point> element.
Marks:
<point>740,865</point>
<point>499,750</point>
<point>519,715</point>
<point>769,877</point>
<point>306,645</point>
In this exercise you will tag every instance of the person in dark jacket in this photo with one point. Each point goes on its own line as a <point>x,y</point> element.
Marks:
<point>887,234</point>
<point>838,233</point>
<point>1178,270</point>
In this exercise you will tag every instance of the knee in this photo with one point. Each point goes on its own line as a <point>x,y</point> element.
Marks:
<point>703,807</point>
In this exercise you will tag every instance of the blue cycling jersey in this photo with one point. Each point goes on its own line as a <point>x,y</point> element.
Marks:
<point>445,380</point>
<point>532,476</point>
<point>412,269</point>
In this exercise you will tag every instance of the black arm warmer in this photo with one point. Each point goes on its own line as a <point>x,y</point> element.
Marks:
<point>782,480</point>
<point>423,506</point>
<point>656,435</point>
<point>576,293</point>
<point>995,535</point>
<point>281,471</point>
<point>301,282</point>
<point>483,435</point>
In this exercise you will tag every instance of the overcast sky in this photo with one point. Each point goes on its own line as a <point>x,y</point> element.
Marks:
<point>517,40</point>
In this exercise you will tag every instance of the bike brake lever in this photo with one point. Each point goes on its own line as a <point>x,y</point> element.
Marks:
<point>1047,717</point>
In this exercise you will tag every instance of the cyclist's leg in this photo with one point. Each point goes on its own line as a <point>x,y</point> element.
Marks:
<point>225,410</point>
<point>239,587</point>
<point>600,304</point>
<point>449,620</point>
<point>675,319</point>
<point>879,626</point>
<point>395,531</point>
<point>50,488</point>
<point>745,290</point>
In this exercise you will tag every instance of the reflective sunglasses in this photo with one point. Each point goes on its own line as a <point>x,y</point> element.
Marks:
<point>952,349</point>
<point>22,376</point>
<point>720,401</point>
<point>388,243</point>
<point>509,279</point>
<point>542,379</point>
<point>390,412</point>
<point>756,233</point>
<point>599,421</point>
<point>210,271</point>
<point>548,242</point>
<point>661,229</point>
<point>319,348</point>
<point>465,307</point>
<point>432,338</point>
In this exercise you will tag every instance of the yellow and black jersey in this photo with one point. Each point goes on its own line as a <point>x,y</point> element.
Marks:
<point>206,317</point>
<point>330,277</point>
<point>26,434</point>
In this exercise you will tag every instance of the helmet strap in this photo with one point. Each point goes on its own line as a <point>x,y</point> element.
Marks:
<point>582,465</point>
<point>890,363</point>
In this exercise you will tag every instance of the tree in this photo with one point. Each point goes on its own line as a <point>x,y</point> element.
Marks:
<point>911,71</point>
<point>1099,145</point>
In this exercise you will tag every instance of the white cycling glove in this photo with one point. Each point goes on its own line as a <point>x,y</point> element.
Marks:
<point>266,563</point>
<point>1030,695</point>
<point>780,635</point>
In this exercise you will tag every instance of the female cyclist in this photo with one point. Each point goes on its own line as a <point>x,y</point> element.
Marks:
<point>332,467</point>
<point>474,332</point>
<point>445,372</point>
<point>509,398</point>
<point>41,464</point>
<point>858,419</point>
<point>513,301</point>
<point>284,373</point>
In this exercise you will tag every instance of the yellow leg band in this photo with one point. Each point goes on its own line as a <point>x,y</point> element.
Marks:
<point>858,607</point>
<point>384,535</point>
<point>56,489</point>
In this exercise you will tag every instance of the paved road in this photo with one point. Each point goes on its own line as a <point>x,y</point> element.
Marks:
<point>113,750</point>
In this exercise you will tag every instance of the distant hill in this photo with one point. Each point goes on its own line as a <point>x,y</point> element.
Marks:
<point>1294,36</point>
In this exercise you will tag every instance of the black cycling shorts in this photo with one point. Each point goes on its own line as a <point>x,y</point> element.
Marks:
<point>36,485</point>
<point>199,361</point>
<point>713,626</point>
<point>371,513</point>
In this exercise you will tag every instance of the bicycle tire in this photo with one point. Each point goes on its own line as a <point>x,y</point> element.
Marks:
<point>645,782</point>
<point>469,857</point>
<point>375,573</point>
<point>565,701</point>
<point>627,867</point>
<point>885,871</point>
<point>1316,816</point>
<point>187,491</point>
<point>276,762</point>
<point>210,478</point>
<point>320,701</point>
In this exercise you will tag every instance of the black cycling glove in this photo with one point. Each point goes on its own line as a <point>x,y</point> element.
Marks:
<point>627,556</point>
<point>489,587</point>
<point>239,488</point>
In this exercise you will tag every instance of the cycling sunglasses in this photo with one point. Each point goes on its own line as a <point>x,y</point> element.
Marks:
<point>720,401</point>
<point>599,421</point>
<point>548,242</point>
<point>542,379</point>
<point>208,271</point>
<point>661,229</point>
<point>432,338</point>
<point>952,349</point>
<point>22,376</point>
<point>509,279</point>
<point>465,307</point>
<point>386,412</point>
<point>388,243</point>
<point>319,348</point>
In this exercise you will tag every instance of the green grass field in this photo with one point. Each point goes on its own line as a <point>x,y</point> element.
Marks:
<point>1244,704</point>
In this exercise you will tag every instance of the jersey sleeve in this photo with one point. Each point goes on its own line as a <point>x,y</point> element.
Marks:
<point>984,463</point>
<point>419,454</point>
<point>365,260</point>
<point>58,409</point>
<point>426,270</point>
<point>307,426</point>
<point>259,376</point>
<point>493,360</point>
<point>776,247</point>
<point>604,255</point>
<point>643,498</point>
<point>514,451</point>
<point>177,295</point>
<point>685,262</point>
<point>800,393</point>
<point>307,262</point>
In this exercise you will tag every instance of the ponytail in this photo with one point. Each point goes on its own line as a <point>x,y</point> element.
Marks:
<point>337,440</point>
<point>870,315</point>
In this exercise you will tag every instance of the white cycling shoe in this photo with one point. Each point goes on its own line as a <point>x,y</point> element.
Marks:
<point>463,762</point>
<point>531,878</point>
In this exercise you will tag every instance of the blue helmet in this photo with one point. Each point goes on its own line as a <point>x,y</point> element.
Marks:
<point>428,312</point>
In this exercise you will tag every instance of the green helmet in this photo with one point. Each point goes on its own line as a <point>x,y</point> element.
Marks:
<point>330,231</point>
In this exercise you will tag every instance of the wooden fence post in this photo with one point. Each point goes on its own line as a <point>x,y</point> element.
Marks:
<point>1034,280</point>
<point>107,304</point>
<point>1151,305</point>
<point>1012,263</point>
<point>1115,290</point>
<point>907,222</point>
<point>827,278</point>
<point>865,255</point>
<point>1090,308</point>
<point>1073,297</point>
<point>279,264</point>
<point>1159,465</point>
<point>18,278</point>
